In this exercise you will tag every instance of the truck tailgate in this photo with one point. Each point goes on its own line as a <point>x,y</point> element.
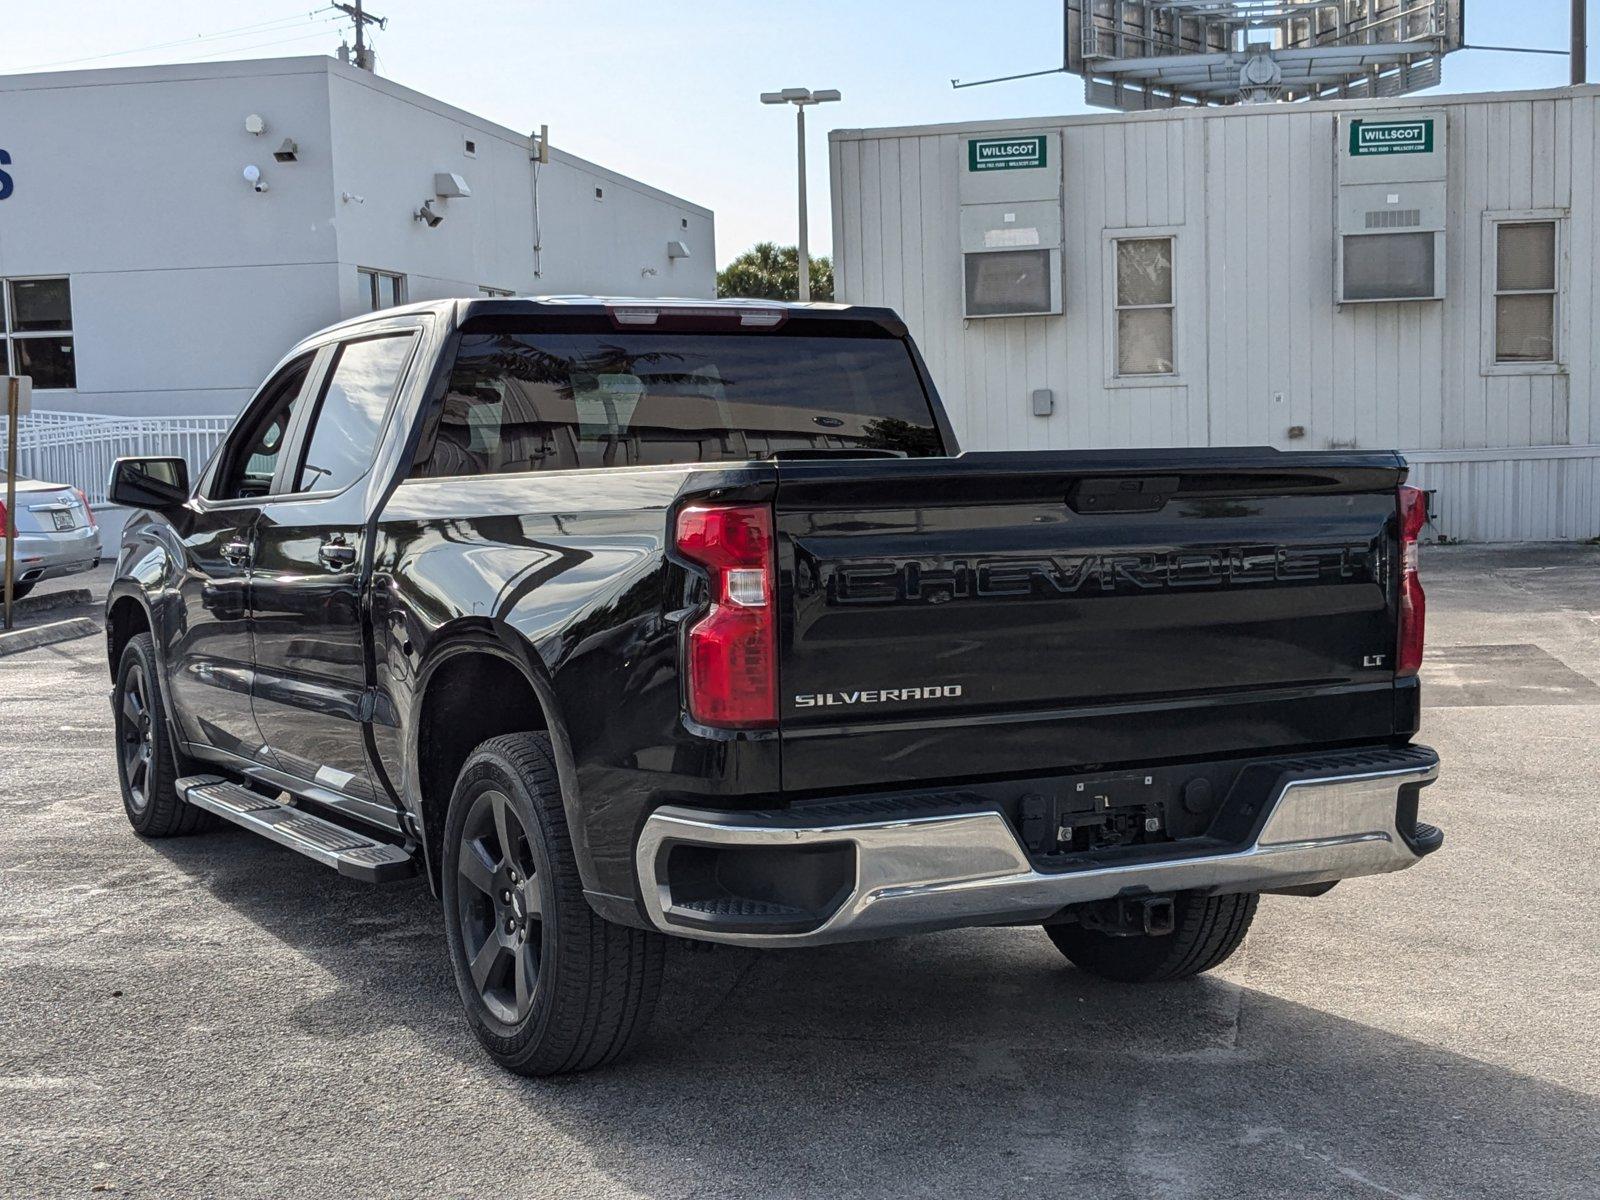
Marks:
<point>991,614</point>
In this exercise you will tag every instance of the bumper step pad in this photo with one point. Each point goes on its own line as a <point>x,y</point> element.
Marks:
<point>356,855</point>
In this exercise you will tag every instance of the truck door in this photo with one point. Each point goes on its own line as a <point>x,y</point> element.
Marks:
<point>208,652</point>
<point>310,643</point>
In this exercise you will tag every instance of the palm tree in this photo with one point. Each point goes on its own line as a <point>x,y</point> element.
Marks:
<point>768,271</point>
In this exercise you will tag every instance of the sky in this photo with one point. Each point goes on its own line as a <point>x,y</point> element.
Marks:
<point>668,90</point>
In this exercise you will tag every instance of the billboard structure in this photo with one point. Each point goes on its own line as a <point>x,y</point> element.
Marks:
<point>1144,54</point>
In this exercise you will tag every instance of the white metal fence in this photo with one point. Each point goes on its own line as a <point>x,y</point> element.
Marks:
<point>79,448</point>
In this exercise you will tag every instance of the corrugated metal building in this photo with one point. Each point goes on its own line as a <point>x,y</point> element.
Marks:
<point>1417,274</point>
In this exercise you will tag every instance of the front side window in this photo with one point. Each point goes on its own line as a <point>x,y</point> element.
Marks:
<point>1525,292</point>
<point>604,397</point>
<point>344,430</point>
<point>381,289</point>
<point>251,457</point>
<point>1144,306</point>
<point>36,322</point>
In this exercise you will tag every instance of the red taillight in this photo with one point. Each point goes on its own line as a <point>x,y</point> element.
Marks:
<point>732,650</point>
<point>87,511</point>
<point>1411,507</point>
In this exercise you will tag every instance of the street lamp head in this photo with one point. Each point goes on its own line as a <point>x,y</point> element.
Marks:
<point>800,96</point>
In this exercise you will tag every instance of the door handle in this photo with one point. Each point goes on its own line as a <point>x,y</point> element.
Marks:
<point>336,554</point>
<point>237,554</point>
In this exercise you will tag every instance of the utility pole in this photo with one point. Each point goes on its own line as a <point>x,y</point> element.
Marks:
<point>1580,42</point>
<point>362,19</point>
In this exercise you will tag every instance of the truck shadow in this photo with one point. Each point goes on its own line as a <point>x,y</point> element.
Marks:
<point>972,1063</point>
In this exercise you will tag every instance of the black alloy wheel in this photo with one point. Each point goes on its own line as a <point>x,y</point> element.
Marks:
<point>148,763</point>
<point>136,737</point>
<point>500,907</point>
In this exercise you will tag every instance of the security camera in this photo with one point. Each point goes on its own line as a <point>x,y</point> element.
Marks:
<point>252,176</point>
<point>428,215</point>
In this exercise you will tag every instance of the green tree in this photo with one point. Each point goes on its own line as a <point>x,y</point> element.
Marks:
<point>770,272</point>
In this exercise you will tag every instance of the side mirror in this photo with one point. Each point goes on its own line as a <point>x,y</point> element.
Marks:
<point>154,483</point>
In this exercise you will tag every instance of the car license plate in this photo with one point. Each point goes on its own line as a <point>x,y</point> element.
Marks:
<point>63,519</point>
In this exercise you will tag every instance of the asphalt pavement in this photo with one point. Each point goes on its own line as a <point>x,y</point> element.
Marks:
<point>215,1016</point>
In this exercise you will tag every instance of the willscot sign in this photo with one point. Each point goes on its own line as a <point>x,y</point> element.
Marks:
<point>1392,137</point>
<point>1005,154</point>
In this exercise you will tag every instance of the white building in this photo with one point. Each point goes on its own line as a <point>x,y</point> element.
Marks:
<point>1416,275</point>
<point>145,277</point>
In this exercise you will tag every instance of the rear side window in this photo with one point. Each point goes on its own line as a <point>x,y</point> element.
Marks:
<point>344,430</point>
<point>616,398</point>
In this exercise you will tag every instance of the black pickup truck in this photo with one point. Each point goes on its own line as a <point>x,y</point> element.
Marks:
<point>623,621</point>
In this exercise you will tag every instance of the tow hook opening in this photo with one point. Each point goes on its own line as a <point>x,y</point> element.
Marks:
<point>1131,916</point>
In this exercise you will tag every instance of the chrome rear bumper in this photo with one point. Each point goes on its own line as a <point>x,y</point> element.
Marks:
<point>938,872</point>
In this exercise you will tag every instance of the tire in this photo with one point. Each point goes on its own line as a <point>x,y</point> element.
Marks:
<point>548,986</point>
<point>148,764</point>
<point>19,590</point>
<point>1207,929</point>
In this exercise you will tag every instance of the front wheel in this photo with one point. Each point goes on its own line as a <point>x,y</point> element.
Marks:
<point>147,760</point>
<point>1206,930</point>
<point>549,987</point>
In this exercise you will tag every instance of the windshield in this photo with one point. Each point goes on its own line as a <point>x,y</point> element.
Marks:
<point>606,397</point>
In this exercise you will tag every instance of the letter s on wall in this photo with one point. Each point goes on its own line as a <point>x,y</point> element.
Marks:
<point>6,186</point>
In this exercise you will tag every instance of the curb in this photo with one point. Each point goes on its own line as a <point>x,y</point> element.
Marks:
<point>66,598</point>
<point>32,638</point>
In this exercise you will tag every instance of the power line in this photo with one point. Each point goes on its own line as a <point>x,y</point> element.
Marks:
<point>304,37</point>
<point>223,34</point>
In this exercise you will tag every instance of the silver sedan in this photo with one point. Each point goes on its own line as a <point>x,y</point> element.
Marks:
<point>56,532</point>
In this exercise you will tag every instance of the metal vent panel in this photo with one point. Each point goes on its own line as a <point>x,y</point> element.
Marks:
<point>1394,218</point>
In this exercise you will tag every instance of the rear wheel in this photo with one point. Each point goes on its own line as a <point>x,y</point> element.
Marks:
<point>549,987</point>
<point>147,761</point>
<point>1206,930</point>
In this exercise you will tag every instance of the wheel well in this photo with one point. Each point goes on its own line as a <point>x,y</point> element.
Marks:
<point>471,698</point>
<point>125,621</point>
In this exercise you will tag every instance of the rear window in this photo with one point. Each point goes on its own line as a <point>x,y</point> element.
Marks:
<point>622,398</point>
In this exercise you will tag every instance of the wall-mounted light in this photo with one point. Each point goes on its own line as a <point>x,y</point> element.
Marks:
<point>252,176</point>
<point>677,250</point>
<point>288,152</point>
<point>428,215</point>
<point>447,184</point>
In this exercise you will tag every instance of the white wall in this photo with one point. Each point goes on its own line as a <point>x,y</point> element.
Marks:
<point>187,285</point>
<point>1248,195</point>
<point>390,141</point>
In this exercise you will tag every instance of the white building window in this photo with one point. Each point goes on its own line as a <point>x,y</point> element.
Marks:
<point>36,325</point>
<point>1526,292</point>
<point>1144,306</point>
<point>382,289</point>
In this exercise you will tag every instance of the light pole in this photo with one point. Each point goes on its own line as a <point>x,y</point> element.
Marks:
<point>800,97</point>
